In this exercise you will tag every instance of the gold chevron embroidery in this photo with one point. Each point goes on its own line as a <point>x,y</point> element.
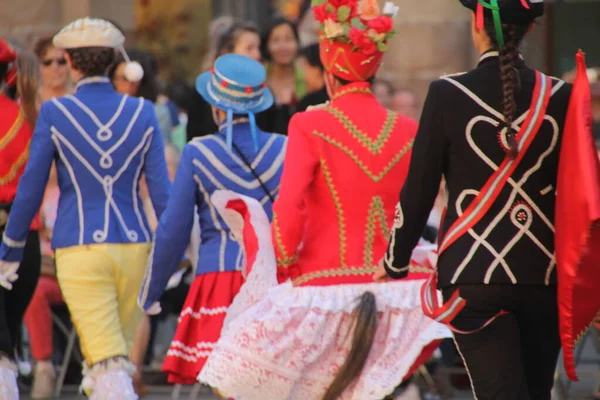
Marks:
<point>376,177</point>
<point>376,215</point>
<point>19,162</point>
<point>374,146</point>
<point>14,129</point>
<point>351,90</point>
<point>283,260</point>
<point>332,273</point>
<point>338,209</point>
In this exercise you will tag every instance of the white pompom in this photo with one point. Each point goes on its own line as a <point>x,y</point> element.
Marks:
<point>134,71</point>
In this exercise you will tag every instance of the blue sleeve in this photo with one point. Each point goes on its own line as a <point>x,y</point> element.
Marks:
<point>172,233</point>
<point>30,191</point>
<point>174,111</point>
<point>155,168</point>
<point>427,164</point>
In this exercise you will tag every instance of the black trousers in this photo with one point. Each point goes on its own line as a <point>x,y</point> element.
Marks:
<point>513,358</point>
<point>14,303</point>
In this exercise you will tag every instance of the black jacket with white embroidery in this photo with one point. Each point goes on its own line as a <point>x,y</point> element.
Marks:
<point>462,137</point>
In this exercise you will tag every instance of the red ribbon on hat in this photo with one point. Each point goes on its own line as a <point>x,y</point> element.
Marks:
<point>479,16</point>
<point>525,4</point>
<point>8,55</point>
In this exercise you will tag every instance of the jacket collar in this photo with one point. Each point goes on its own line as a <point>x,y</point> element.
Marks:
<point>354,87</point>
<point>491,56</point>
<point>99,82</point>
<point>242,133</point>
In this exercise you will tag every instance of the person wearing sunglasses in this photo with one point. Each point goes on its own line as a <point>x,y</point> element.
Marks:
<point>17,75</point>
<point>55,82</point>
<point>101,143</point>
<point>53,70</point>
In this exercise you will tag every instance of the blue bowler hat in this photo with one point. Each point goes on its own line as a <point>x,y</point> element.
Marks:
<point>237,85</point>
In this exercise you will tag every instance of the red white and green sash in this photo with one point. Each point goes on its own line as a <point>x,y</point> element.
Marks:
<point>445,313</point>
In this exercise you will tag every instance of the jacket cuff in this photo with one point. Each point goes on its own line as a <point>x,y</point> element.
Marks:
<point>11,250</point>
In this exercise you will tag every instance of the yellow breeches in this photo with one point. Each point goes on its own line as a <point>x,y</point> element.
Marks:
<point>100,284</point>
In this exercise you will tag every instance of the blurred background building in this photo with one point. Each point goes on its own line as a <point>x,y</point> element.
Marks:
<point>433,39</point>
<point>433,35</point>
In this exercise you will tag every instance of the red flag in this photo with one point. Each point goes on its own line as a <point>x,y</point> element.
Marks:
<point>577,221</point>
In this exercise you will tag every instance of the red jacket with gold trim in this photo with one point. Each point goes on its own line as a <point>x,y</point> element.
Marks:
<point>15,137</point>
<point>345,163</point>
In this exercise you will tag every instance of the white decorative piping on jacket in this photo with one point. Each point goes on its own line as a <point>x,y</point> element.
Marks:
<point>106,181</point>
<point>516,188</point>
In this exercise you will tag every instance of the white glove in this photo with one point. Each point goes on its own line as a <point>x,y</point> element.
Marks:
<point>154,309</point>
<point>8,273</point>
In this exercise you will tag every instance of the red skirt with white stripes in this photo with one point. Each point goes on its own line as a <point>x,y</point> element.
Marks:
<point>200,324</point>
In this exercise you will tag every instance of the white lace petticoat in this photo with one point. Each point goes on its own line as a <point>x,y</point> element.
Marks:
<point>276,351</point>
<point>283,342</point>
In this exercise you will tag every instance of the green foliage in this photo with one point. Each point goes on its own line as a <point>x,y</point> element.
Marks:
<point>343,13</point>
<point>382,46</point>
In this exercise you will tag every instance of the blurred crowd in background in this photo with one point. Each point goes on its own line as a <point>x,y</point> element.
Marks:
<point>287,46</point>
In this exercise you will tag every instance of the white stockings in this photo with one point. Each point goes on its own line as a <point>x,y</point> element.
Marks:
<point>109,380</point>
<point>8,380</point>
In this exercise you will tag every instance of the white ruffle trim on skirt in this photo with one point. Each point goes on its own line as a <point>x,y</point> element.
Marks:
<point>284,342</point>
<point>277,351</point>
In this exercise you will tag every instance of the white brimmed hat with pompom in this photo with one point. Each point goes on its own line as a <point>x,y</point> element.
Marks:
<point>96,32</point>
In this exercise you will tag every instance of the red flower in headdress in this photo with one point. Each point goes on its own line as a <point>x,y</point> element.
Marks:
<point>340,3</point>
<point>320,13</point>
<point>356,36</point>
<point>381,24</point>
<point>367,46</point>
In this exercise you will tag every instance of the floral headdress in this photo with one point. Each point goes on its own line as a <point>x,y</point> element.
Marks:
<point>354,35</point>
<point>360,22</point>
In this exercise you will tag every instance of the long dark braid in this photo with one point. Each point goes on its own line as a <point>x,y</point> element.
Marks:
<point>508,56</point>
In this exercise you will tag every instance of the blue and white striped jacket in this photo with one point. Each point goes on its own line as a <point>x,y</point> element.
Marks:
<point>206,165</point>
<point>102,143</point>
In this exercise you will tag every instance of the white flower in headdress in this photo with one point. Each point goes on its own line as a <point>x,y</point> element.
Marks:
<point>390,8</point>
<point>333,29</point>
